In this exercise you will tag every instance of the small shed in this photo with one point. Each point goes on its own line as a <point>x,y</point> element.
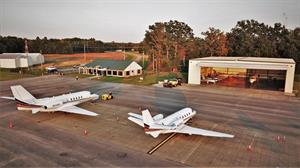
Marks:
<point>118,68</point>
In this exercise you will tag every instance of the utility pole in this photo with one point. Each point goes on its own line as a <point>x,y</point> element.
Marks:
<point>143,60</point>
<point>26,47</point>
<point>26,51</point>
<point>285,19</point>
<point>152,58</point>
<point>156,61</point>
<point>124,53</point>
<point>41,63</point>
<point>84,52</point>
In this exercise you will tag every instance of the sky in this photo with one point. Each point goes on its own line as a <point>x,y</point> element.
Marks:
<point>127,20</point>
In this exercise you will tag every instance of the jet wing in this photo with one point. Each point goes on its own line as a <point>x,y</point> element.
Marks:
<point>9,98</point>
<point>77,110</point>
<point>136,116</point>
<point>197,131</point>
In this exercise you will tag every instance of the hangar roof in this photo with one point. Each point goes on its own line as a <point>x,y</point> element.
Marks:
<point>248,59</point>
<point>18,55</point>
<point>4,56</point>
<point>110,64</point>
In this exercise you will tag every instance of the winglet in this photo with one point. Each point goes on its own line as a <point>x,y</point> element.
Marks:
<point>35,110</point>
<point>154,134</point>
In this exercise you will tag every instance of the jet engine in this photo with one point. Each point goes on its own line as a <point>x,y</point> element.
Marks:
<point>158,117</point>
<point>52,105</point>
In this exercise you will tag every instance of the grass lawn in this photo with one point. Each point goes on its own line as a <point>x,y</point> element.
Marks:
<point>6,74</point>
<point>148,78</point>
<point>79,75</point>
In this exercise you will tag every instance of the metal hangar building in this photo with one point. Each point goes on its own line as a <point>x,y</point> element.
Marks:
<point>248,72</point>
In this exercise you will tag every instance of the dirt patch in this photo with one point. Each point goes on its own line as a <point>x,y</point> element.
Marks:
<point>64,60</point>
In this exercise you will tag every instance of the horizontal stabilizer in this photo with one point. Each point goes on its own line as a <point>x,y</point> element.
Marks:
<point>136,116</point>
<point>137,121</point>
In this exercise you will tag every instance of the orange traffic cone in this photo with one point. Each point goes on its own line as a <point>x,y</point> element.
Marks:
<point>283,139</point>
<point>85,132</point>
<point>278,138</point>
<point>10,124</point>
<point>249,148</point>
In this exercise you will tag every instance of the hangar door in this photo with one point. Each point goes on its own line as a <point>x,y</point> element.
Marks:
<point>244,78</point>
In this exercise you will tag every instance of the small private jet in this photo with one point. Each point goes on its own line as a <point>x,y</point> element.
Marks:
<point>65,103</point>
<point>173,123</point>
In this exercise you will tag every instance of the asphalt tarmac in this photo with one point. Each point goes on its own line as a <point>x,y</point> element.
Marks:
<point>266,120</point>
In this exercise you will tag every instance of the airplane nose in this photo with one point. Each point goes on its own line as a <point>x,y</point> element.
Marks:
<point>194,112</point>
<point>95,97</point>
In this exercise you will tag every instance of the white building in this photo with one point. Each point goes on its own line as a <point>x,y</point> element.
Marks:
<point>116,68</point>
<point>20,60</point>
<point>254,72</point>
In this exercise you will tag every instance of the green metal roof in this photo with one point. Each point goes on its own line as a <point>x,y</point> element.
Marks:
<point>110,64</point>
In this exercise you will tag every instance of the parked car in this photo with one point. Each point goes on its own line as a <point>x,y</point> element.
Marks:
<point>172,82</point>
<point>167,84</point>
<point>52,70</point>
<point>175,82</point>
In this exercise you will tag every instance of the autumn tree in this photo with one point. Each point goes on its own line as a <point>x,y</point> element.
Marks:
<point>155,40</point>
<point>168,42</point>
<point>215,42</point>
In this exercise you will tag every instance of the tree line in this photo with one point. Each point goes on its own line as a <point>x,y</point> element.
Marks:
<point>171,44</point>
<point>11,44</point>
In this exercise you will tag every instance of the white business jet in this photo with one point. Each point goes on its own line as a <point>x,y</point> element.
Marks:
<point>64,103</point>
<point>173,123</point>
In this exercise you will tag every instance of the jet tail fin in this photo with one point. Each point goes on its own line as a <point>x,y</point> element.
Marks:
<point>21,94</point>
<point>147,118</point>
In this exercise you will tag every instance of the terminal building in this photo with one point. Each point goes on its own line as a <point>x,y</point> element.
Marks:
<point>247,72</point>
<point>116,68</point>
<point>20,60</point>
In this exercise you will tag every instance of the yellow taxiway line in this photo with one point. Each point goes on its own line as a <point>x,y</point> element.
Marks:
<point>151,151</point>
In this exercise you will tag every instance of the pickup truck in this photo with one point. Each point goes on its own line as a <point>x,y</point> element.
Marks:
<point>172,82</point>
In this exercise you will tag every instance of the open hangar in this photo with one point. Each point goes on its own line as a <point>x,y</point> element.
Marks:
<point>249,72</point>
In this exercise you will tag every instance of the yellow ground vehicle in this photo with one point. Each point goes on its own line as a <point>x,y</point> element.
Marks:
<point>107,96</point>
